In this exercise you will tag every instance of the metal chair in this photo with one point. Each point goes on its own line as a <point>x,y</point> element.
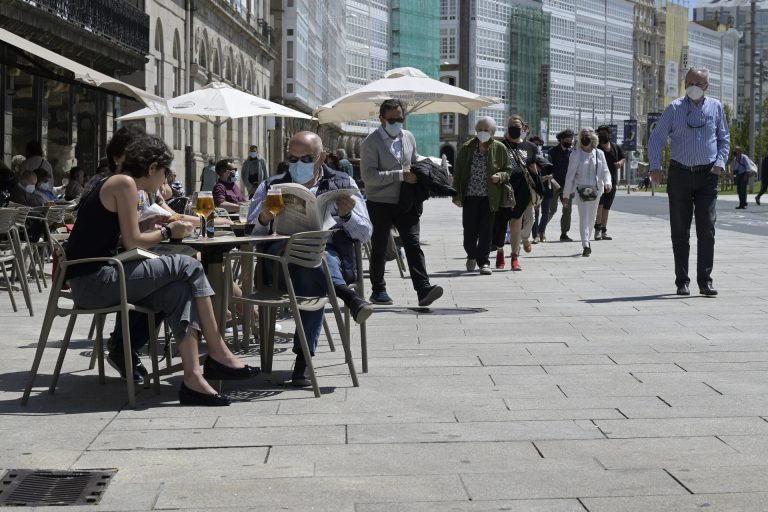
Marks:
<point>9,256</point>
<point>55,308</point>
<point>35,262</point>
<point>305,250</point>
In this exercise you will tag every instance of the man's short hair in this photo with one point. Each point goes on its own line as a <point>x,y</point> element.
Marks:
<point>603,128</point>
<point>514,117</point>
<point>390,104</point>
<point>253,148</point>
<point>698,71</point>
<point>341,153</point>
<point>73,172</point>
<point>143,152</point>
<point>565,134</point>
<point>42,174</point>
<point>119,142</point>
<point>223,165</point>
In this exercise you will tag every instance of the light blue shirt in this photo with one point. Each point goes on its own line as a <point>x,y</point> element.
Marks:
<point>358,227</point>
<point>740,164</point>
<point>699,134</point>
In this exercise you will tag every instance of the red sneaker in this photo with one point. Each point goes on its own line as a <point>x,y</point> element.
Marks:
<point>500,258</point>
<point>516,264</point>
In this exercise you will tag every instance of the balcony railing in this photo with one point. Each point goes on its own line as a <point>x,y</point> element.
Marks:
<point>112,19</point>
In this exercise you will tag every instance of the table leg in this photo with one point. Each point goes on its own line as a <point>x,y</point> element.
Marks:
<point>246,266</point>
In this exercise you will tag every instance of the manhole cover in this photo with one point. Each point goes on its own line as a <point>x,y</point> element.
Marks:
<point>30,487</point>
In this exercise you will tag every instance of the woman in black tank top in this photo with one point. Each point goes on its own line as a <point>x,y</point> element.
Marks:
<point>172,284</point>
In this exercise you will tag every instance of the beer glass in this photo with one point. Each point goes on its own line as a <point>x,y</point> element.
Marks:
<point>274,202</point>
<point>243,212</point>
<point>203,208</point>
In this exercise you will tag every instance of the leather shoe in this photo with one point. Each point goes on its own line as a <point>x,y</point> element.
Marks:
<point>429,294</point>
<point>214,370</point>
<point>191,397</point>
<point>707,291</point>
<point>683,290</point>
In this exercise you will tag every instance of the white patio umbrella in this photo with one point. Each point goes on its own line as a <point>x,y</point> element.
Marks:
<point>217,103</point>
<point>422,95</point>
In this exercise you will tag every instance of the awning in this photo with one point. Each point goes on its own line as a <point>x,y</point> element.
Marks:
<point>82,73</point>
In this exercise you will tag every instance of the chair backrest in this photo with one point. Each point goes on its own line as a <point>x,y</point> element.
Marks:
<point>21,214</point>
<point>55,216</point>
<point>7,220</point>
<point>306,249</point>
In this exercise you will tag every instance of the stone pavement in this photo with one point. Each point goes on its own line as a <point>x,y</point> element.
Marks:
<point>577,384</point>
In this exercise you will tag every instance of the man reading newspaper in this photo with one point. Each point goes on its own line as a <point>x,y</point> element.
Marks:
<point>303,187</point>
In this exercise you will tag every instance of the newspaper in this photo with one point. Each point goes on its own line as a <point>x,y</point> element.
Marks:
<point>306,212</point>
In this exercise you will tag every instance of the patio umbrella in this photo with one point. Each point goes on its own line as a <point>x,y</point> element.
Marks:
<point>217,103</point>
<point>422,95</point>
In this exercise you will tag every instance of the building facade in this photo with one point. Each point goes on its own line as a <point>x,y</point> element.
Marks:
<point>672,62</point>
<point>646,81</point>
<point>717,51</point>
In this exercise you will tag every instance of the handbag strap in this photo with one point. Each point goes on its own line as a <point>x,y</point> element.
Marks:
<point>518,159</point>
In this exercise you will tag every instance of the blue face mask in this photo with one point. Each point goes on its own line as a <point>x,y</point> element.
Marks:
<point>301,172</point>
<point>393,129</point>
<point>233,177</point>
<point>253,154</point>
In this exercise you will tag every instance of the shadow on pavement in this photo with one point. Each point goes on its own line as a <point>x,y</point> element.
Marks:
<point>638,298</point>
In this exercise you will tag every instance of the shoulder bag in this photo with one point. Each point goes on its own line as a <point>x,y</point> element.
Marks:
<point>535,186</point>
<point>589,193</point>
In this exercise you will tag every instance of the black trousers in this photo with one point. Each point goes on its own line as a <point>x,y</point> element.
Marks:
<point>477,221</point>
<point>692,193</point>
<point>741,187</point>
<point>763,184</point>
<point>139,326</point>
<point>406,220</point>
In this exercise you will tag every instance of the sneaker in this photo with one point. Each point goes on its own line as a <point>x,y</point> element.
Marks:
<point>429,294</point>
<point>605,235</point>
<point>587,251</point>
<point>381,297</point>
<point>485,270</point>
<point>757,199</point>
<point>298,380</point>
<point>500,259</point>
<point>360,310</point>
<point>565,238</point>
<point>116,361</point>
<point>471,264</point>
<point>527,245</point>
<point>535,239</point>
<point>516,264</point>
<point>598,234</point>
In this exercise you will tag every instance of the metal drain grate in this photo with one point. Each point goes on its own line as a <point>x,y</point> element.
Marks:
<point>30,487</point>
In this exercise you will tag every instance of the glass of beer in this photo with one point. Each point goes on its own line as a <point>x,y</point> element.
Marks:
<point>274,202</point>
<point>203,207</point>
<point>243,212</point>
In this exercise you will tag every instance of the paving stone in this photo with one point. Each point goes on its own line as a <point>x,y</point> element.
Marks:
<point>738,502</point>
<point>682,427</point>
<point>475,506</point>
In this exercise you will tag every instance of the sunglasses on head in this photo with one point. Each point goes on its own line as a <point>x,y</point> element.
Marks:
<point>307,159</point>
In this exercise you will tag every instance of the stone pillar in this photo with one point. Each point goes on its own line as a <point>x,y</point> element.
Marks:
<point>6,123</point>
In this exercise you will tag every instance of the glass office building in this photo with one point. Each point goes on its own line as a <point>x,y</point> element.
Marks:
<point>415,26</point>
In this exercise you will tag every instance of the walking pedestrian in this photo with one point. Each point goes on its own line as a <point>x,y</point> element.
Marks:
<point>763,179</point>
<point>700,145</point>
<point>522,157</point>
<point>387,155</point>
<point>482,166</point>
<point>559,156</point>
<point>254,170</point>
<point>741,167</point>
<point>588,177</point>
<point>614,157</point>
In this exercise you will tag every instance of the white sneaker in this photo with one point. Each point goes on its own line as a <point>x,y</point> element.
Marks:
<point>485,270</point>
<point>471,264</point>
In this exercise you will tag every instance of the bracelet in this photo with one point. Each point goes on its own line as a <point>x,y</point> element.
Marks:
<point>165,233</point>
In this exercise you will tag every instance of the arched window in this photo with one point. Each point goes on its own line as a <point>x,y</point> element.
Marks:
<point>215,61</point>
<point>228,68</point>
<point>202,54</point>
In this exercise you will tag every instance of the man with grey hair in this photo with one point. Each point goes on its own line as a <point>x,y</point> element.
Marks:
<point>482,166</point>
<point>344,164</point>
<point>700,144</point>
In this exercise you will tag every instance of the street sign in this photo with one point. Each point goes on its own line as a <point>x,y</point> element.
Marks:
<point>653,118</point>
<point>614,133</point>
<point>630,134</point>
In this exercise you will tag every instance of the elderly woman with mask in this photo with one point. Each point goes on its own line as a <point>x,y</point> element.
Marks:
<point>588,176</point>
<point>482,166</point>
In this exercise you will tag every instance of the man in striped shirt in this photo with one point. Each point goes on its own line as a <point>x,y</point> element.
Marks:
<point>700,145</point>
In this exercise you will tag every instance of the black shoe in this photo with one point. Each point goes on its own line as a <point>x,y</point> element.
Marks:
<point>565,238</point>
<point>707,291</point>
<point>683,290</point>
<point>360,310</point>
<point>214,370</point>
<point>191,397</point>
<point>381,298</point>
<point>429,294</point>
<point>298,380</point>
<point>757,200</point>
<point>605,235</point>
<point>586,252</point>
<point>115,360</point>
<point>744,207</point>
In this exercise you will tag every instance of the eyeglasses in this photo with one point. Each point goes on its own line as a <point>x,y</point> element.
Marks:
<point>307,159</point>
<point>398,120</point>
<point>695,119</point>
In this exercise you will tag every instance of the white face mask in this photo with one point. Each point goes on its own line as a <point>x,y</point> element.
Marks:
<point>695,92</point>
<point>45,186</point>
<point>29,189</point>
<point>483,137</point>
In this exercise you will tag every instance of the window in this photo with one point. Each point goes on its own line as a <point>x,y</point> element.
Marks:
<point>447,123</point>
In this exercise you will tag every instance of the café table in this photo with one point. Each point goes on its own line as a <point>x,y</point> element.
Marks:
<point>212,251</point>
